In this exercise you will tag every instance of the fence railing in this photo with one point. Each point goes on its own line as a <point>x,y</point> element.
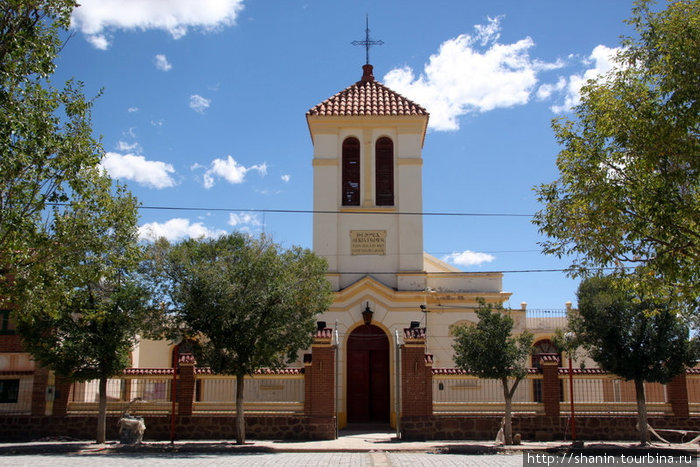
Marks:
<point>152,394</point>
<point>261,393</point>
<point>464,393</point>
<point>608,394</point>
<point>139,394</point>
<point>595,392</point>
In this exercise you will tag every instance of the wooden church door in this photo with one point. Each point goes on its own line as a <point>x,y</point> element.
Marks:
<point>368,375</point>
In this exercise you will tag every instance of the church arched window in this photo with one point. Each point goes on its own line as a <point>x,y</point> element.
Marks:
<point>351,172</point>
<point>384,171</point>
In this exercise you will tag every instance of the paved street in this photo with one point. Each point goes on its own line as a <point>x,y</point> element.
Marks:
<point>302,459</point>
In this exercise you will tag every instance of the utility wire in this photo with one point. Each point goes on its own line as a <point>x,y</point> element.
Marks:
<point>312,211</point>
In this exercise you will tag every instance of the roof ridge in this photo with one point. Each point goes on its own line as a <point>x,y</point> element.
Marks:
<point>367,97</point>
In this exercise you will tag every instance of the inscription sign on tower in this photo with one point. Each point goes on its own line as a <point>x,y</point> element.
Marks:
<point>368,242</point>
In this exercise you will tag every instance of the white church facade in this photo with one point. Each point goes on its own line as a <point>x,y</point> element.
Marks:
<point>368,225</point>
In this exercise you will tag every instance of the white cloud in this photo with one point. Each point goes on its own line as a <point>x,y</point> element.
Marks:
<point>95,17</point>
<point>132,109</point>
<point>154,174</point>
<point>98,41</point>
<point>546,90</point>
<point>602,60</point>
<point>126,147</point>
<point>468,258</point>
<point>199,103</point>
<point>162,63</point>
<point>243,219</point>
<point>285,178</point>
<point>177,229</point>
<point>229,170</point>
<point>471,73</point>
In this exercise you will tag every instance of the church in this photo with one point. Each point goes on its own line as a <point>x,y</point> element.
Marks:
<point>391,299</point>
<point>368,224</point>
<point>382,353</point>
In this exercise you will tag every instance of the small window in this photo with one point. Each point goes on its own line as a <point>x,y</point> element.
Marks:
<point>351,172</point>
<point>7,325</point>
<point>9,391</point>
<point>384,173</point>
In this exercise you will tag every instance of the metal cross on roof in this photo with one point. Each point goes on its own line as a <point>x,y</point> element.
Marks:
<point>367,42</point>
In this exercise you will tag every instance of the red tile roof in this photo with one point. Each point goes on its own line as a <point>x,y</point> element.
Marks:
<point>325,333</point>
<point>414,333</point>
<point>148,371</point>
<point>367,97</point>
<point>459,371</point>
<point>260,371</point>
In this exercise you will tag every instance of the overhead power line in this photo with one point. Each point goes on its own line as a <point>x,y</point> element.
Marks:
<point>312,211</point>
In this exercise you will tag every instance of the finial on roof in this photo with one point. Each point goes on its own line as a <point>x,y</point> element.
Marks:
<point>367,73</point>
<point>367,42</point>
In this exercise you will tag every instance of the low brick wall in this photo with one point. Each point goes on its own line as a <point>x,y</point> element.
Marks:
<point>27,428</point>
<point>541,428</point>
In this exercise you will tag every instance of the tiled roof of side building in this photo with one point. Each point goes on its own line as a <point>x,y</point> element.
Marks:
<point>367,97</point>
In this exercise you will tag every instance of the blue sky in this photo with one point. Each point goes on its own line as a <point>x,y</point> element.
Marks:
<point>203,105</point>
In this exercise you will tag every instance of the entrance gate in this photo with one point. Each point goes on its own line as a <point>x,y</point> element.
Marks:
<point>368,375</point>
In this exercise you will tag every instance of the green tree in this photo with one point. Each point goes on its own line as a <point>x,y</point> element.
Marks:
<point>67,235</point>
<point>249,303</point>
<point>488,350</point>
<point>634,337</point>
<point>628,195</point>
<point>81,319</point>
<point>47,153</point>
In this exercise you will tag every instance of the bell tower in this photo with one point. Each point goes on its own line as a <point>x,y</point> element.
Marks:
<point>368,198</point>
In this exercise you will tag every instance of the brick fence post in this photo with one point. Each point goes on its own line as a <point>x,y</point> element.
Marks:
<point>60,403</point>
<point>551,387</point>
<point>186,385</point>
<point>319,376</point>
<point>41,380</point>
<point>416,375</point>
<point>677,391</point>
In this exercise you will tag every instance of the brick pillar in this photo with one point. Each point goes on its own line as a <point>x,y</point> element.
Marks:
<point>416,375</point>
<point>319,377</point>
<point>60,403</point>
<point>677,393</point>
<point>186,383</point>
<point>551,388</point>
<point>308,371</point>
<point>41,379</point>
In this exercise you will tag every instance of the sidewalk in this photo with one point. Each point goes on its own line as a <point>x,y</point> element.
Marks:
<point>347,442</point>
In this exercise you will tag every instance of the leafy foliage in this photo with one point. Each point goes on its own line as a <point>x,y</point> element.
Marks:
<point>631,336</point>
<point>68,246</point>
<point>253,304</point>
<point>634,337</point>
<point>628,195</point>
<point>47,153</point>
<point>247,302</point>
<point>489,350</point>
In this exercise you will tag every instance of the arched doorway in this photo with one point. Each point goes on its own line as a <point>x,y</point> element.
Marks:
<point>368,375</point>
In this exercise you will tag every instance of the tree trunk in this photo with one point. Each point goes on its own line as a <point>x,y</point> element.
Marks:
<point>642,412</point>
<point>508,425</point>
<point>102,412</point>
<point>240,415</point>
